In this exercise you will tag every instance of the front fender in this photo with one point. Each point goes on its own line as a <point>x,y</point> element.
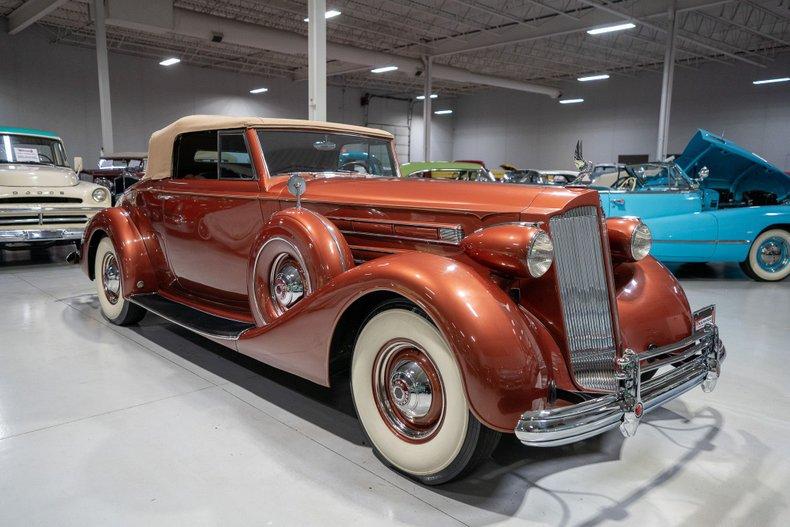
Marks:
<point>495,343</point>
<point>135,262</point>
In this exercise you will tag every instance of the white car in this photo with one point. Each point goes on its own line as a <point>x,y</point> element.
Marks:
<point>42,201</point>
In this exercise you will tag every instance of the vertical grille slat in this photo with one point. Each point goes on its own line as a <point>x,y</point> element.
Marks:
<point>584,294</point>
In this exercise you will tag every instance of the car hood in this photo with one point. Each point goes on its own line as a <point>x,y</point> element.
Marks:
<point>732,167</point>
<point>484,200</point>
<point>21,175</point>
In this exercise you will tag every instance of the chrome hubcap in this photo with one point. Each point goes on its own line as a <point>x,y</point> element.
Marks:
<point>111,278</point>
<point>408,391</point>
<point>411,389</point>
<point>773,254</point>
<point>287,282</point>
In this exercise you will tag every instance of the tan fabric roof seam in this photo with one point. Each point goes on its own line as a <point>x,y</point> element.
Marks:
<point>160,147</point>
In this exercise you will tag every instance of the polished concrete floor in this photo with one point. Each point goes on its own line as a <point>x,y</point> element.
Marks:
<point>150,425</point>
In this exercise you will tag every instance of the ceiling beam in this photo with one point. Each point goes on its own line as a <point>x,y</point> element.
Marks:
<point>31,12</point>
<point>680,36</point>
<point>558,26</point>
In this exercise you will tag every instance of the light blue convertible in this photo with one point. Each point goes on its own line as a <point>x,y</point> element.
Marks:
<point>716,202</point>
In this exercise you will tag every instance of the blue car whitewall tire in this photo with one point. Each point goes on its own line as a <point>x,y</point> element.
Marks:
<point>769,256</point>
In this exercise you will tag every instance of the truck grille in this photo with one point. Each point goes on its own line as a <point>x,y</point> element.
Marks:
<point>584,295</point>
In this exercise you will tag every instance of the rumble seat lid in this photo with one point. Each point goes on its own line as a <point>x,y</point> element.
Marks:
<point>160,146</point>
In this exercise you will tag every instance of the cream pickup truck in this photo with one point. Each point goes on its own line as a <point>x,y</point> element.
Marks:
<point>42,201</point>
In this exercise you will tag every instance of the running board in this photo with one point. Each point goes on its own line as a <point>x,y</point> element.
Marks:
<point>200,322</point>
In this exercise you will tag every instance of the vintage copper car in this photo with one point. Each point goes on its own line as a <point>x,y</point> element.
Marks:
<point>456,310</point>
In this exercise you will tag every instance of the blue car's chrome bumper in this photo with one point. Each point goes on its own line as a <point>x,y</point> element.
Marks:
<point>697,361</point>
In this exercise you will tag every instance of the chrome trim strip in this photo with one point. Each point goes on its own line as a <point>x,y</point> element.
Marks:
<point>17,211</point>
<point>397,237</point>
<point>568,424</point>
<point>427,225</point>
<point>706,242</point>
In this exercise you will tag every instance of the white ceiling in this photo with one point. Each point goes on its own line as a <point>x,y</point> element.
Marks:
<point>538,41</point>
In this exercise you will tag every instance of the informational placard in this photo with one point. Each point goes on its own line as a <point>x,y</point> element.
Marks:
<point>26,155</point>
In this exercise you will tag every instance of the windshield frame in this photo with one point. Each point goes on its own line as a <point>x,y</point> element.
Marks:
<point>261,131</point>
<point>7,157</point>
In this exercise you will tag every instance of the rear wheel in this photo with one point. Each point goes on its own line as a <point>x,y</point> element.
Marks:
<point>769,256</point>
<point>109,287</point>
<point>409,394</point>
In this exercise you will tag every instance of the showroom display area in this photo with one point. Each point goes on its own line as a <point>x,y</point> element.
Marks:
<point>150,424</point>
<point>432,262</point>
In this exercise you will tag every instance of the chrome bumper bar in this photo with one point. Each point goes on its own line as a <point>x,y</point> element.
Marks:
<point>698,364</point>
<point>40,235</point>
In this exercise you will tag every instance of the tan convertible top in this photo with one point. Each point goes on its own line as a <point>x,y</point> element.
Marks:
<point>160,147</point>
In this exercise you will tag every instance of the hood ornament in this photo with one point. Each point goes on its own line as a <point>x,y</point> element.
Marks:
<point>296,186</point>
<point>584,167</point>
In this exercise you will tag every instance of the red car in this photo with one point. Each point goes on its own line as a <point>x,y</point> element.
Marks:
<point>457,311</point>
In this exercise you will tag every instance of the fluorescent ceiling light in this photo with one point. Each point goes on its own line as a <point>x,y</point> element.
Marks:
<point>170,61</point>
<point>443,112</point>
<point>384,69</point>
<point>609,29</point>
<point>332,13</point>
<point>771,81</point>
<point>422,97</point>
<point>571,101</point>
<point>593,78</point>
<point>259,90</point>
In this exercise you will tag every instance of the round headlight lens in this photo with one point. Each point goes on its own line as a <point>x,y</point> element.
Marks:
<point>100,194</point>
<point>641,242</point>
<point>540,254</point>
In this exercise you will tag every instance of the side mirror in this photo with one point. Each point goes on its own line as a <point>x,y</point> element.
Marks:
<point>78,165</point>
<point>296,186</point>
<point>703,173</point>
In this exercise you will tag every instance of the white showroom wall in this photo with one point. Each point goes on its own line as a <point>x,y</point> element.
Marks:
<point>620,116</point>
<point>54,87</point>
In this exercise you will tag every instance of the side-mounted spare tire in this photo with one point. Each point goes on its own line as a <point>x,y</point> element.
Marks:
<point>298,252</point>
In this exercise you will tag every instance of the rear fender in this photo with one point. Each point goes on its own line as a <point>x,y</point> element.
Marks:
<point>137,272</point>
<point>493,341</point>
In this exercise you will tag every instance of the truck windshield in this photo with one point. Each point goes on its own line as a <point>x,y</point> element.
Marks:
<point>296,151</point>
<point>26,149</point>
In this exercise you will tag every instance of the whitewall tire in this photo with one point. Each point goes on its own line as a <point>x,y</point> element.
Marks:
<point>769,256</point>
<point>109,286</point>
<point>409,395</point>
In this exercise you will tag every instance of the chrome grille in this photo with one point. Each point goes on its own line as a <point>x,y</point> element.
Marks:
<point>586,310</point>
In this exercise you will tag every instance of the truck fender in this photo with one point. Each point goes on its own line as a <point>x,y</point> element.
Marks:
<point>137,273</point>
<point>304,240</point>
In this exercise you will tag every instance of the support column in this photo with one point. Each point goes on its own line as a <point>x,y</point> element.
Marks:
<point>316,59</point>
<point>666,86</point>
<point>426,110</point>
<point>105,109</point>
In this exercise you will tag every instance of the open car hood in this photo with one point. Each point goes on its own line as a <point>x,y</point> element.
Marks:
<point>732,168</point>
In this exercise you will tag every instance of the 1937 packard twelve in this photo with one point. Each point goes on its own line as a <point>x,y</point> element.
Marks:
<point>456,311</point>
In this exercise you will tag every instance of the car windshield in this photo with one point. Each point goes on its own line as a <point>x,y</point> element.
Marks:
<point>645,177</point>
<point>287,152</point>
<point>26,149</point>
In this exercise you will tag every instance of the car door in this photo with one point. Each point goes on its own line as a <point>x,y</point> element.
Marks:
<point>674,212</point>
<point>211,215</point>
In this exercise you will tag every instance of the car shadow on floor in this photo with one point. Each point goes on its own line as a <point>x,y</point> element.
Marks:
<point>501,484</point>
<point>707,271</point>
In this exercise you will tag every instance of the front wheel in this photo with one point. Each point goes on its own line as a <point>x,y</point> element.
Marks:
<point>409,394</point>
<point>769,256</point>
<point>108,278</point>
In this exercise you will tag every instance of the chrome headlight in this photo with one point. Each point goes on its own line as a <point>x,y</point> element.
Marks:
<point>641,242</point>
<point>100,194</point>
<point>540,254</point>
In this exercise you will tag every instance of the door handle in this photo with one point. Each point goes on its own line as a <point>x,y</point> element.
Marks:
<point>618,201</point>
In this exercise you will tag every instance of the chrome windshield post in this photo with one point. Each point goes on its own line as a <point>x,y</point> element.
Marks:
<point>629,376</point>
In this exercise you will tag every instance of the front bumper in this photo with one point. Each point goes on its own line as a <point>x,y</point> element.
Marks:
<point>41,235</point>
<point>696,359</point>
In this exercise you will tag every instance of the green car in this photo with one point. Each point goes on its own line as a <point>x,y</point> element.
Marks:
<point>458,171</point>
